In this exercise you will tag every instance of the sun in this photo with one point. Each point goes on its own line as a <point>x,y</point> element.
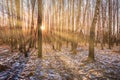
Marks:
<point>42,28</point>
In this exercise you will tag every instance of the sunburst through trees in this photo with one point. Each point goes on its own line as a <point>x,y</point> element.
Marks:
<point>59,26</point>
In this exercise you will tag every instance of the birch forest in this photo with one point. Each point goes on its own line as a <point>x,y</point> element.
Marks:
<point>59,39</point>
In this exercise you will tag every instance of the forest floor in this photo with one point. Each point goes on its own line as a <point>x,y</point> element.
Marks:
<point>60,65</point>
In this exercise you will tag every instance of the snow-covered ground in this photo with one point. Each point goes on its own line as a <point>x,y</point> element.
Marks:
<point>63,65</point>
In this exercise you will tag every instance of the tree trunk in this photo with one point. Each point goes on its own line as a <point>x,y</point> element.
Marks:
<point>39,29</point>
<point>92,32</point>
<point>117,37</point>
<point>32,24</point>
<point>110,23</point>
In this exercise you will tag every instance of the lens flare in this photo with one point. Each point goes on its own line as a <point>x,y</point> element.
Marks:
<point>42,28</point>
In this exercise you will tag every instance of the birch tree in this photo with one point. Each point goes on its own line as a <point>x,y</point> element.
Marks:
<point>92,31</point>
<point>39,28</point>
